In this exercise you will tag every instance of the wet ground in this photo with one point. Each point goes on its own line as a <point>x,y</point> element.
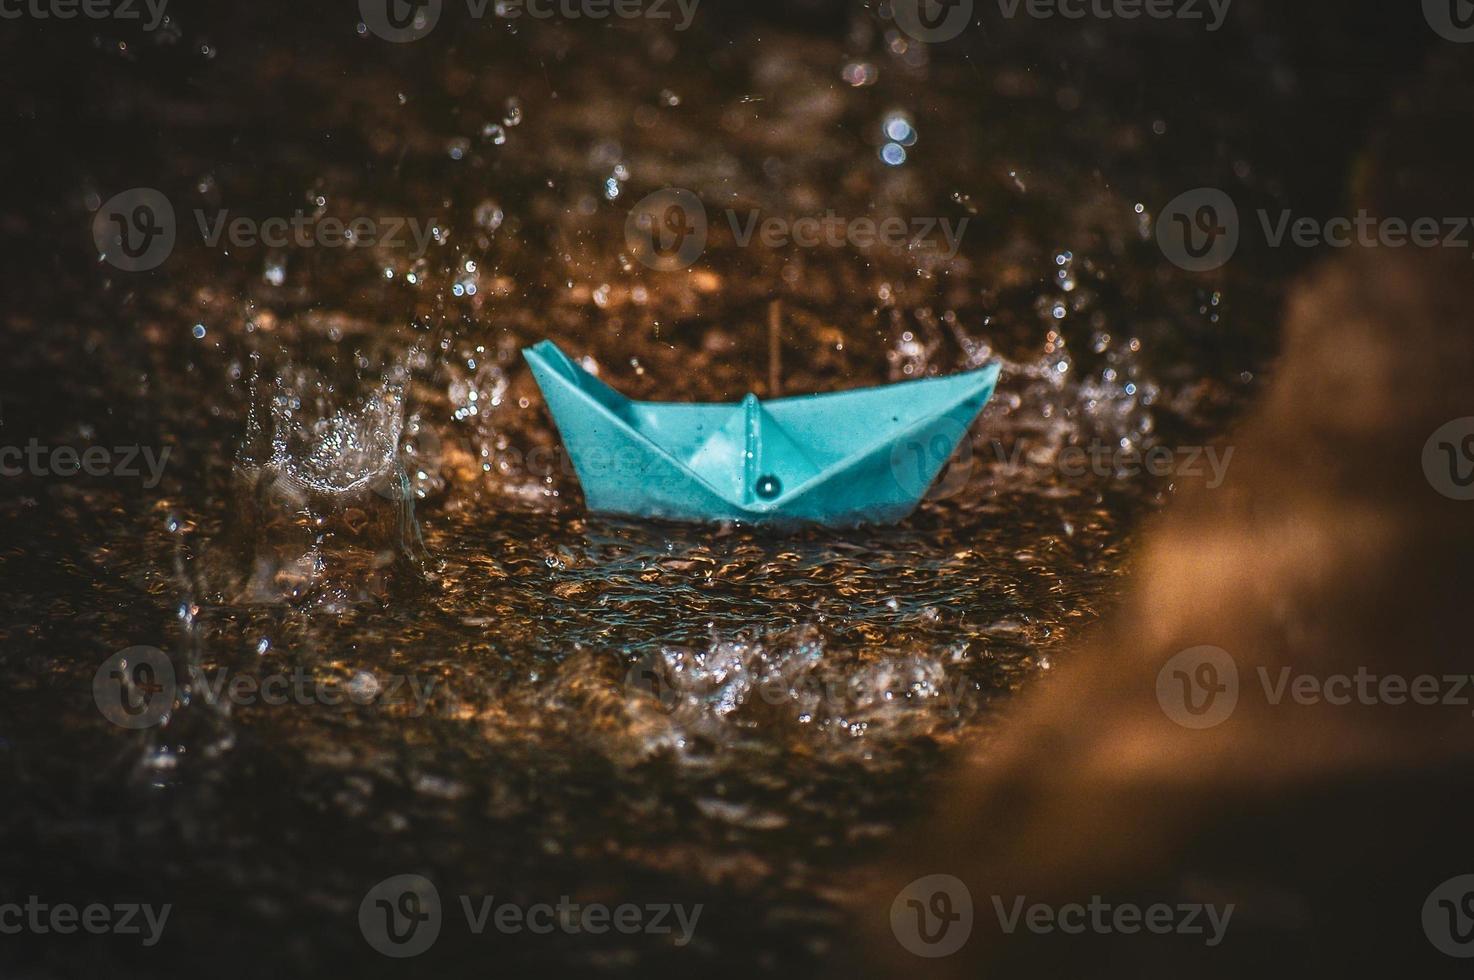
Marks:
<point>363,498</point>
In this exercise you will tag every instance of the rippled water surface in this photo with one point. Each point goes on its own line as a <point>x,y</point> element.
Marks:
<point>365,496</point>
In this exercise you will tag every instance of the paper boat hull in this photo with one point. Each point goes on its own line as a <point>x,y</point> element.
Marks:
<point>854,457</point>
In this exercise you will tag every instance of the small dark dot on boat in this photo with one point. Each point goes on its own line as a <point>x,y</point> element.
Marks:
<point>769,487</point>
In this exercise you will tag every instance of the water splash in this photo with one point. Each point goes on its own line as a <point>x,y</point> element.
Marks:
<point>325,505</point>
<point>798,687</point>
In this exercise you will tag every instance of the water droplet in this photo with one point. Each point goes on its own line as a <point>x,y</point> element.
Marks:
<point>859,74</point>
<point>488,215</point>
<point>898,128</point>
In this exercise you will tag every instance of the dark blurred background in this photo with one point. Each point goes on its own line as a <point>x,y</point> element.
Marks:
<point>1045,596</point>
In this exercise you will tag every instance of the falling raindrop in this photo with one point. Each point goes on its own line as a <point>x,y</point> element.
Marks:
<point>488,215</point>
<point>898,129</point>
<point>859,74</point>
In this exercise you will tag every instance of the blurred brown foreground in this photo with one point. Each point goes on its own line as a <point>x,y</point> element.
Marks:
<point>1329,555</point>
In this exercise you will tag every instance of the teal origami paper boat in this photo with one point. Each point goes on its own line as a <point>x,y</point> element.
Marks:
<point>854,457</point>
